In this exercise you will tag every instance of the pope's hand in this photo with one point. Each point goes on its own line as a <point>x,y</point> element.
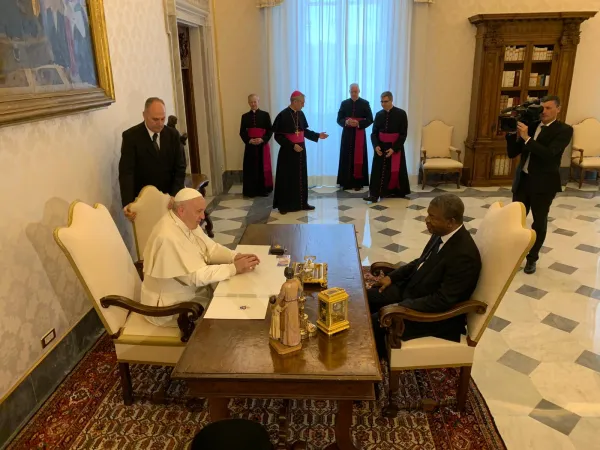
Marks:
<point>245,263</point>
<point>385,283</point>
<point>241,255</point>
<point>129,213</point>
<point>298,148</point>
<point>323,135</point>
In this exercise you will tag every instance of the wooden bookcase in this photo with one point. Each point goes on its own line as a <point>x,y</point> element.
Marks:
<point>511,43</point>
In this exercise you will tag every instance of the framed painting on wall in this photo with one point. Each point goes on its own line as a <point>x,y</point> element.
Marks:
<point>54,59</point>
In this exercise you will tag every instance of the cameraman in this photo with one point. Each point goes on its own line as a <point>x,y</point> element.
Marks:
<point>537,179</point>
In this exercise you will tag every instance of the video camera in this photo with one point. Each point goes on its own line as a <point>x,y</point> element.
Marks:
<point>527,113</point>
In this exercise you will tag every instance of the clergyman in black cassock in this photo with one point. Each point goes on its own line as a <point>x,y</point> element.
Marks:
<point>354,116</point>
<point>389,174</point>
<point>255,131</point>
<point>290,129</point>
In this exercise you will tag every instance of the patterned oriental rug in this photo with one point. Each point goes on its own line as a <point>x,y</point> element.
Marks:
<point>87,412</point>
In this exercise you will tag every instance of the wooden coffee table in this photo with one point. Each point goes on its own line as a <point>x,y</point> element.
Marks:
<point>232,358</point>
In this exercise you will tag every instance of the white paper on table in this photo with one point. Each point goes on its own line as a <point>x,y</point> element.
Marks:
<point>237,308</point>
<point>259,250</point>
<point>263,281</point>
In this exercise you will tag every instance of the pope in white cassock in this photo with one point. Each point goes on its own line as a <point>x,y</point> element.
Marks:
<point>180,261</point>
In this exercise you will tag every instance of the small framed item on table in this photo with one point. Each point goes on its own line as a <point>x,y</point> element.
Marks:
<point>276,249</point>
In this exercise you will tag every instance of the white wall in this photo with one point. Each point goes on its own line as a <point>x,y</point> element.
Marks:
<point>46,165</point>
<point>242,68</point>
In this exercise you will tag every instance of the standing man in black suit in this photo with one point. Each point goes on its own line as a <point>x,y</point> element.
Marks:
<point>537,179</point>
<point>445,274</point>
<point>151,154</point>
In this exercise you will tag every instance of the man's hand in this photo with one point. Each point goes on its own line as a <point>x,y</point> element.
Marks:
<point>385,283</point>
<point>378,151</point>
<point>129,213</point>
<point>258,141</point>
<point>523,130</point>
<point>389,152</point>
<point>323,135</point>
<point>297,148</point>
<point>245,263</point>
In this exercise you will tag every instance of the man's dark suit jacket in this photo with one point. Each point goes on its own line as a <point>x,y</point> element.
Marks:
<point>141,165</point>
<point>446,278</point>
<point>545,156</point>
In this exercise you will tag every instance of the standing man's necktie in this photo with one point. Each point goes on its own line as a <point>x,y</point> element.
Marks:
<point>155,142</point>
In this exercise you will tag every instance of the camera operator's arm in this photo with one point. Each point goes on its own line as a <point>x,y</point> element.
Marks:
<point>514,145</point>
<point>556,147</point>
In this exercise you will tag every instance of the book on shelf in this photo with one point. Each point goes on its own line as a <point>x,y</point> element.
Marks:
<point>508,102</point>
<point>511,78</point>
<point>512,53</point>
<point>539,80</point>
<point>542,54</point>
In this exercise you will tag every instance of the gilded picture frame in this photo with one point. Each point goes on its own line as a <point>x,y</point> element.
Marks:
<point>54,59</point>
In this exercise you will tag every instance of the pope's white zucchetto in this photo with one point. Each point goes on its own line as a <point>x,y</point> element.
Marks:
<point>187,194</point>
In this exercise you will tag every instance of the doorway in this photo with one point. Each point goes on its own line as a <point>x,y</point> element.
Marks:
<point>187,78</point>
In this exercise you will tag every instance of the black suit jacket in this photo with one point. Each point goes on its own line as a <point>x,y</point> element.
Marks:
<point>545,155</point>
<point>446,278</point>
<point>141,165</point>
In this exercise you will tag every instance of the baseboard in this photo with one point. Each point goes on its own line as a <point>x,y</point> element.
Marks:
<point>25,400</point>
<point>231,177</point>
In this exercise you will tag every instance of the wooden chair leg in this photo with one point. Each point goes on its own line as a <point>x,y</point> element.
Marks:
<point>126,383</point>
<point>391,410</point>
<point>581,175</point>
<point>570,172</point>
<point>463,387</point>
<point>424,179</point>
<point>209,226</point>
<point>458,176</point>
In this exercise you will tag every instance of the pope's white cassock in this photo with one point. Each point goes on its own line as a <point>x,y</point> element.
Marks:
<point>180,264</point>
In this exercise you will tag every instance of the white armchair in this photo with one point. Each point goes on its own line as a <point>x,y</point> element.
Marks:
<point>149,206</point>
<point>586,148</point>
<point>503,241</point>
<point>94,247</point>
<point>437,151</point>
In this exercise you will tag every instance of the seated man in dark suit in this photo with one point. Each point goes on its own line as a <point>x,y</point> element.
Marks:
<point>445,274</point>
<point>151,154</point>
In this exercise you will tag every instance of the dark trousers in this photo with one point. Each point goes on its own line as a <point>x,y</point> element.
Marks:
<point>378,300</point>
<point>539,203</point>
<point>450,329</point>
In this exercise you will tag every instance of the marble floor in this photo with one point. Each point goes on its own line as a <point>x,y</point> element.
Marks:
<point>538,365</point>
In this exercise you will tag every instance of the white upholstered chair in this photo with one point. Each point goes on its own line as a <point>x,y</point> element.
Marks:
<point>437,151</point>
<point>503,241</point>
<point>149,206</point>
<point>586,148</point>
<point>94,247</point>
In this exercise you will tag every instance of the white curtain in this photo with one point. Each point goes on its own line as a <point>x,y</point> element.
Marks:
<point>320,47</point>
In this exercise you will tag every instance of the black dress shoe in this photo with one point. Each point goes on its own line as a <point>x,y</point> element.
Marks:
<point>529,267</point>
<point>370,199</point>
<point>308,207</point>
<point>357,189</point>
<point>283,213</point>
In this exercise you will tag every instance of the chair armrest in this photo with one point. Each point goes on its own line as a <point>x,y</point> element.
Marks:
<point>392,317</point>
<point>188,312</point>
<point>577,149</point>
<point>458,152</point>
